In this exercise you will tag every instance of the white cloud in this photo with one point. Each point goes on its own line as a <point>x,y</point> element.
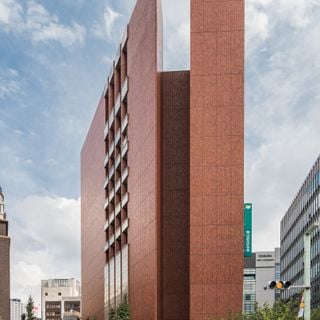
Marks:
<point>45,27</point>
<point>282,109</point>
<point>9,83</point>
<point>176,34</point>
<point>37,23</point>
<point>45,242</point>
<point>265,16</point>
<point>10,14</point>
<point>110,17</point>
<point>298,13</point>
<point>257,26</point>
<point>105,27</point>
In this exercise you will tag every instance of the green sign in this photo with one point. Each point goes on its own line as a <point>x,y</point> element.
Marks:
<point>247,230</point>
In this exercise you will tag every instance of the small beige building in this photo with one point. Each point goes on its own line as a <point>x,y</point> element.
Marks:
<point>59,296</point>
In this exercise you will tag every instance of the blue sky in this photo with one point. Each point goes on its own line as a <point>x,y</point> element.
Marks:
<point>55,57</point>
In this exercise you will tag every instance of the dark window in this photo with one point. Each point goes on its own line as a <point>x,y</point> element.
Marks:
<point>59,293</point>
<point>46,293</point>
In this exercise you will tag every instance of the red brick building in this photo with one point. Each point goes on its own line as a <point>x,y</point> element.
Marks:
<point>4,263</point>
<point>162,173</point>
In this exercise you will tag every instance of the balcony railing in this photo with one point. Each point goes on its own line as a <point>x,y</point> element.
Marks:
<point>118,185</point>
<point>111,119</point>
<point>106,225</point>
<point>118,233</point>
<point>125,225</point>
<point>111,195</point>
<point>124,150</point>
<point>117,105</point>
<point>124,37</point>
<point>111,173</point>
<point>118,161</point>
<point>125,200</point>
<point>106,160</point>
<point>106,182</point>
<point>111,217</point>
<point>106,130</point>
<point>118,136</point>
<point>118,55</point>
<point>111,149</point>
<point>124,175</point>
<point>118,208</point>
<point>124,123</point>
<point>124,88</point>
<point>106,203</point>
<point>124,142</point>
<point>109,244</point>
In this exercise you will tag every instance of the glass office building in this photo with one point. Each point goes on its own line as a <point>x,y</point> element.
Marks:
<point>302,213</point>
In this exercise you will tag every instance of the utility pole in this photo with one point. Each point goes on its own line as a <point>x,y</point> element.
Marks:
<point>307,268</point>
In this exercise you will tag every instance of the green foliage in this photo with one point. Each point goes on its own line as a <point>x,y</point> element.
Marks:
<point>315,314</point>
<point>29,309</point>
<point>122,312</point>
<point>23,316</point>
<point>112,314</point>
<point>123,309</point>
<point>279,311</point>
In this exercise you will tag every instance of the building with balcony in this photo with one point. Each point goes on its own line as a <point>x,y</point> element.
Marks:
<point>4,262</point>
<point>162,173</point>
<point>302,213</point>
<point>59,297</point>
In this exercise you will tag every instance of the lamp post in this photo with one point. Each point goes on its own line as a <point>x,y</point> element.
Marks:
<point>307,268</point>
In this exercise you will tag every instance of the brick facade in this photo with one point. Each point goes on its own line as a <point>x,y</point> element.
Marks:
<point>178,212</point>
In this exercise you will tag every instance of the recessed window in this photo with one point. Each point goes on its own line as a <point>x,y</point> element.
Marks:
<point>59,293</point>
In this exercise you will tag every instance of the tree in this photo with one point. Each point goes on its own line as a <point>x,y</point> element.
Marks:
<point>315,314</point>
<point>29,309</point>
<point>279,311</point>
<point>121,312</point>
<point>23,316</point>
<point>112,314</point>
<point>123,309</point>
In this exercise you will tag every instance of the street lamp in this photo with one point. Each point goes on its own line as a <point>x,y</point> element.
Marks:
<point>307,268</point>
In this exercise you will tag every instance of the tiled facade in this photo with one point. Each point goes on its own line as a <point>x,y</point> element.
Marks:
<point>93,218</point>
<point>175,203</point>
<point>302,213</point>
<point>4,263</point>
<point>216,157</point>
<point>162,166</point>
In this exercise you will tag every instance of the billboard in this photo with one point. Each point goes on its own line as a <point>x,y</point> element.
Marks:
<point>247,230</point>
